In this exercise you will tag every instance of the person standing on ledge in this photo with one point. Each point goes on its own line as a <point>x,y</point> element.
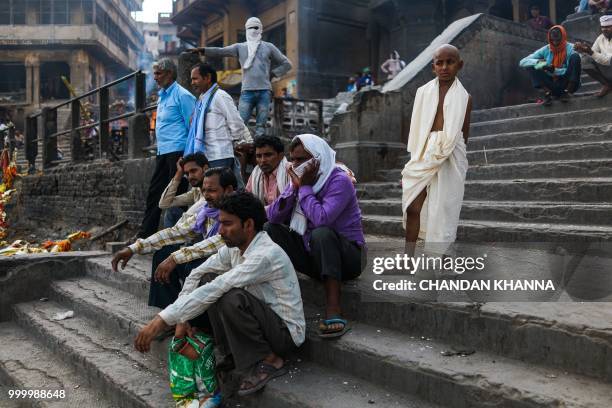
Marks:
<point>434,178</point>
<point>256,58</point>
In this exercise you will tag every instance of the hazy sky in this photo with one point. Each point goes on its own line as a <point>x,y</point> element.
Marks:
<point>150,8</point>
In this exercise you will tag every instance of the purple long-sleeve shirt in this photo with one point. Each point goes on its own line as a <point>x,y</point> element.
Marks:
<point>335,206</point>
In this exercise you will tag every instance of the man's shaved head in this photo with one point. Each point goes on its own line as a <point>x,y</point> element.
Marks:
<point>447,50</point>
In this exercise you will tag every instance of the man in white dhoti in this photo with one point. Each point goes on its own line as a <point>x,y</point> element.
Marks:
<point>433,180</point>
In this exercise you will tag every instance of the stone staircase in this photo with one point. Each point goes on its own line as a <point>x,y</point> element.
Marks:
<point>516,354</point>
<point>536,174</point>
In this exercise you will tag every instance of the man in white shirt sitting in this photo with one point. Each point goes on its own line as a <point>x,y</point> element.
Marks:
<point>254,304</point>
<point>597,60</point>
<point>216,124</point>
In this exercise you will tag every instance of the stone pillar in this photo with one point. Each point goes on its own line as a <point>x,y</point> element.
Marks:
<point>32,64</point>
<point>516,11</point>
<point>79,71</point>
<point>552,7</point>
<point>138,135</point>
<point>185,62</point>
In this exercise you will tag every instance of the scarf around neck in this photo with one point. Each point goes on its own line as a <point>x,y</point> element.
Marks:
<point>204,214</point>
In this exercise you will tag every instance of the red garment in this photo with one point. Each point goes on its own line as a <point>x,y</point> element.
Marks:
<point>559,51</point>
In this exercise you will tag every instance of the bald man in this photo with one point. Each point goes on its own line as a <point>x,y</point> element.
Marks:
<point>433,180</point>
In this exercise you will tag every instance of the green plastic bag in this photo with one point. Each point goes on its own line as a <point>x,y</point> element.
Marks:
<point>193,382</point>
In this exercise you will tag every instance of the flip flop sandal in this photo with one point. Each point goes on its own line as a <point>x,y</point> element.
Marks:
<point>258,384</point>
<point>330,334</point>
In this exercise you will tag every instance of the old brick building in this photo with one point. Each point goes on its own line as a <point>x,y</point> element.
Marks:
<point>90,42</point>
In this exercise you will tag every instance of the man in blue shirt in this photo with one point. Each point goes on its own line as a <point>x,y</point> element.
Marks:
<point>174,108</point>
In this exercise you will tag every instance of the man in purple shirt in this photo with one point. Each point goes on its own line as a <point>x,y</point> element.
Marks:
<point>324,238</point>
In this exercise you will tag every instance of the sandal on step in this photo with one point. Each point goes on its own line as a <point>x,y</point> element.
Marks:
<point>327,333</point>
<point>258,383</point>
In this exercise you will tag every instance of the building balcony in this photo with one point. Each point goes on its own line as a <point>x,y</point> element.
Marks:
<point>69,36</point>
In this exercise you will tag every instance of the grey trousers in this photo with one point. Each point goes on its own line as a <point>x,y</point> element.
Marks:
<point>596,70</point>
<point>247,329</point>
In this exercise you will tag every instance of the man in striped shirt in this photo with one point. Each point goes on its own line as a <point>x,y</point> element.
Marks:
<point>165,285</point>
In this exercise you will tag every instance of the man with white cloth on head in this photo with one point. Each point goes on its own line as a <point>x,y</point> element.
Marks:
<point>256,58</point>
<point>433,180</point>
<point>597,59</point>
<point>269,178</point>
<point>317,221</point>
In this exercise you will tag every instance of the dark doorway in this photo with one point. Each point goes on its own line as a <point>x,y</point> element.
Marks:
<point>51,85</point>
<point>12,82</point>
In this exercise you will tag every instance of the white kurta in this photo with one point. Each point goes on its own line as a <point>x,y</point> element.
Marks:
<point>438,162</point>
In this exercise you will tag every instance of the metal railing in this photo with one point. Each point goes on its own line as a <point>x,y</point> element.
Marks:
<point>289,116</point>
<point>99,130</point>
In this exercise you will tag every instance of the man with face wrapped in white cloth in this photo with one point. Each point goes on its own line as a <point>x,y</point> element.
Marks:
<point>257,59</point>
<point>433,180</point>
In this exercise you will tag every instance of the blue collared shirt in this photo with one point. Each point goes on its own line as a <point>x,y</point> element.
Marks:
<point>174,109</point>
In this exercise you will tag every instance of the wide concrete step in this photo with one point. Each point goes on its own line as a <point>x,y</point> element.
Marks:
<point>128,377</point>
<point>567,151</point>
<point>498,231</point>
<point>512,211</point>
<point>544,120</point>
<point>124,314</point>
<point>416,365</point>
<point>313,385</point>
<point>570,336</point>
<point>25,364</point>
<point>587,190</point>
<point>530,109</point>
<point>582,168</point>
<point>510,138</point>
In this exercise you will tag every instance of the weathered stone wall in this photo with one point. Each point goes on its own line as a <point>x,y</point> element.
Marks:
<point>373,132</point>
<point>98,194</point>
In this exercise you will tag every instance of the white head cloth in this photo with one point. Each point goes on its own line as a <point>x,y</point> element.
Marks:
<point>253,39</point>
<point>605,21</point>
<point>326,156</point>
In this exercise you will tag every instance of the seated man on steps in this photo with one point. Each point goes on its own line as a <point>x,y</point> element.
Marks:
<point>434,178</point>
<point>324,237</point>
<point>254,304</point>
<point>194,166</point>
<point>597,60</point>
<point>200,220</point>
<point>270,177</point>
<point>555,68</point>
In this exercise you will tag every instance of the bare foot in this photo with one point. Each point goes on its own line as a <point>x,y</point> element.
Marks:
<point>604,91</point>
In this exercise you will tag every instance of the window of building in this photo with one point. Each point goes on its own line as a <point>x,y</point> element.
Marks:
<point>88,11</point>
<point>51,85</point>
<point>277,36</point>
<point>5,15</point>
<point>19,12</point>
<point>61,13</point>
<point>46,12</point>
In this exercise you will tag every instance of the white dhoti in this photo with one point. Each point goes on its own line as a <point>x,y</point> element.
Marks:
<point>445,184</point>
<point>438,162</point>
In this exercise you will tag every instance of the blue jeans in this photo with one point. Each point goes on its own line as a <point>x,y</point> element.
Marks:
<point>230,163</point>
<point>260,100</point>
<point>541,79</point>
<point>584,5</point>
